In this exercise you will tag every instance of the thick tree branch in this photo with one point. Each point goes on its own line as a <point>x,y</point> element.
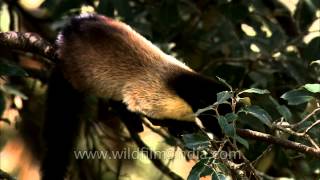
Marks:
<point>29,42</point>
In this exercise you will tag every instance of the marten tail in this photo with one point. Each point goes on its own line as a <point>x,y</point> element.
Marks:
<point>61,127</point>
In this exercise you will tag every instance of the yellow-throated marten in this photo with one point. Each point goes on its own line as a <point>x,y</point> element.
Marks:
<point>107,58</point>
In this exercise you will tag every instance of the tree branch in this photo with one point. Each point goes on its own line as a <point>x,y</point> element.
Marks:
<point>29,42</point>
<point>246,133</point>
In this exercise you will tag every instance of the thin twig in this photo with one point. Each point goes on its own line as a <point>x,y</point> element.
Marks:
<point>292,132</point>
<point>311,126</point>
<point>163,134</point>
<point>233,167</point>
<point>246,161</point>
<point>305,119</point>
<point>267,150</point>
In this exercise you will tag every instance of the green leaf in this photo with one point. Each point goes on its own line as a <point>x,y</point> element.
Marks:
<point>11,90</point>
<point>227,128</point>
<point>230,117</point>
<point>207,170</point>
<point>311,51</point>
<point>195,172</point>
<point>314,88</point>
<point>218,176</point>
<point>297,96</point>
<point>315,62</point>
<point>223,96</point>
<point>11,69</point>
<point>255,91</point>
<point>305,13</point>
<point>195,141</point>
<point>282,109</point>
<point>259,113</point>
<point>225,83</point>
<point>245,100</point>
<point>285,112</point>
<point>199,169</point>
<point>221,166</point>
<point>199,111</point>
<point>242,141</point>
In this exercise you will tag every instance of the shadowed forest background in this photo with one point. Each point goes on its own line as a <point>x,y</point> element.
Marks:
<point>266,51</point>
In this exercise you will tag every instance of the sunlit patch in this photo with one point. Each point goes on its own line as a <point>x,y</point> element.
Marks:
<point>11,115</point>
<point>4,18</point>
<point>265,29</point>
<point>171,45</point>
<point>18,102</point>
<point>16,157</point>
<point>86,9</point>
<point>318,13</point>
<point>248,30</point>
<point>210,135</point>
<point>31,4</point>
<point>291,49</point>
<point>291,5</point>
<point>251,8</point>
<point>254,48</point>
<point>199,123</point>
<point>314,31</point>
<point>276,55</point>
